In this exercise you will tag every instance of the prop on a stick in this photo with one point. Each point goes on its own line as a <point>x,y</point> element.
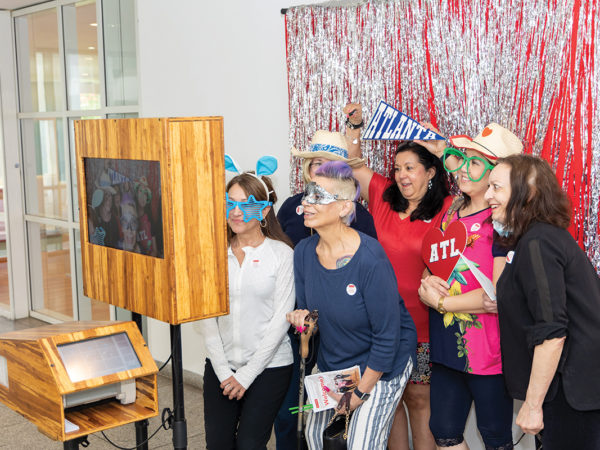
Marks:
<point>390,124</point>
<point>442,250</point>
<point>310,327</point>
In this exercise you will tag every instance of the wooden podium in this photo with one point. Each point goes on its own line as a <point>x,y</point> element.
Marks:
<point>43,371</point>
<point>189,281</point>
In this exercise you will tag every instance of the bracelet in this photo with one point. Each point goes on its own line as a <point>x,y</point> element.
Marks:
<point>440,307</point>
<point>354,126</point>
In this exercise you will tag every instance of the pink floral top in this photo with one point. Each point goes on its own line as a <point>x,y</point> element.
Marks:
<point>468,342</point>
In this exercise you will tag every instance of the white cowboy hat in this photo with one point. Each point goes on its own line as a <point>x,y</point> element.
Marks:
<point>493,142</point>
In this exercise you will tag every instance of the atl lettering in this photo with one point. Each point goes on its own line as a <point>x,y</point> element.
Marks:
<point>443,247</point>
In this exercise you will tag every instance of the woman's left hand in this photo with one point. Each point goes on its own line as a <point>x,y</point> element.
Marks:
<point>436,147</point>
<point>530,419</point>
<point>355,402</point>
<point>489,305</point>
<point>431,289</point>
<point>233,389</point>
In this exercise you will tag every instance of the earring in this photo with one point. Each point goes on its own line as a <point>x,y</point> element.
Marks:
<point>263,223</point>
<point>429,185</point>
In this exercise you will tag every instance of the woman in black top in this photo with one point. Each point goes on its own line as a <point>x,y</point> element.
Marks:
<point>548,306</point>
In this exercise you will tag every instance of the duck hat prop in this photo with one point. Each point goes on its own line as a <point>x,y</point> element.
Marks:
<point>252,208</point>
<point>329,145</point>
<point>493,142</point>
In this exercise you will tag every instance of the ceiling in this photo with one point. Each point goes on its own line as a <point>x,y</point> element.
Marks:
<point>16,4</point>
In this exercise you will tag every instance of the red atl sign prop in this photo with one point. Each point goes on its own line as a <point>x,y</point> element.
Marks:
<point>441,251</point>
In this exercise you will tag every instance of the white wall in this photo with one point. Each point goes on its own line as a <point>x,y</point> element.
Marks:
<point>226,58</point>
<point>198,58</point>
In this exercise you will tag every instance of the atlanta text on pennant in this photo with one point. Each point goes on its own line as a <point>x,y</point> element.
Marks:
<point>389,124</point>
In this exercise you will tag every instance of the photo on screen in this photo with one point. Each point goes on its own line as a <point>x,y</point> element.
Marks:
<point>124,205</point>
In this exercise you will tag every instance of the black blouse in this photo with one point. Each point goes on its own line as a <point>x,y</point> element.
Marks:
<point>549,289</point>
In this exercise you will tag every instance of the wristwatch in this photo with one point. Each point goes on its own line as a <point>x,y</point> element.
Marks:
<point>364,397</point>
<point>354,126</point>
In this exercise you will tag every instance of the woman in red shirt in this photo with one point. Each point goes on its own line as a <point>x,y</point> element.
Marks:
<point>404,207</point>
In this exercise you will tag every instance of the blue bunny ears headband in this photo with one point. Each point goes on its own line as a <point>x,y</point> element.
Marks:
<point>251,208</point>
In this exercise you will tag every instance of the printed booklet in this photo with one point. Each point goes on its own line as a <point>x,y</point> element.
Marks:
<point>338,381</point>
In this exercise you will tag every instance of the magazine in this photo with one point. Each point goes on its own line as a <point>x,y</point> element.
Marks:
<point>338,381</point>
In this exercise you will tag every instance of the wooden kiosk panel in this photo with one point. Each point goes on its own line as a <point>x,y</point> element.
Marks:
<point>189,281</point>
<point>38,382</point>
<point>200,269</point>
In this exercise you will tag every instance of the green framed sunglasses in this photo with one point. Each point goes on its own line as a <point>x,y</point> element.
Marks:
<point>477,166</point>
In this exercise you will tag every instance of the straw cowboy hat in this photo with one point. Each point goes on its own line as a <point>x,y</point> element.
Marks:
<point>493,142</point>
<point>329,145</point>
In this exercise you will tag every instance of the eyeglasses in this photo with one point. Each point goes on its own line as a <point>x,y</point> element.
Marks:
<point>316,195</point>
<point>251,208</point>
<point>454,160</point>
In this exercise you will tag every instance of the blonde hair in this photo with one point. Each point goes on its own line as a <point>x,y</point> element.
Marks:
<point>306,170</point>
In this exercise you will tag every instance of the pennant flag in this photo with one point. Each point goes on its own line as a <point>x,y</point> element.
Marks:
<point>116,177</point>
<point>389,124</point>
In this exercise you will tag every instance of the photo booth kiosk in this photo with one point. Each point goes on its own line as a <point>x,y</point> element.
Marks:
<point>179,164</point>
<point>77,378</point>
<point>164,255</point>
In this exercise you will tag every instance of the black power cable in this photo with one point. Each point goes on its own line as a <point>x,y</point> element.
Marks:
<point>162,425</point>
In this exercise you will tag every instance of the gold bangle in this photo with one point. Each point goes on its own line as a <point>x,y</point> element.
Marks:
<point>440,307</point>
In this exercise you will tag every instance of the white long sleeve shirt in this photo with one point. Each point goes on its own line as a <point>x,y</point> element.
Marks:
<point>253,336</point>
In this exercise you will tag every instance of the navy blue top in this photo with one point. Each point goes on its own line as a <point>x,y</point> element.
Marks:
<point>293,223</point>
<point>362,318</point>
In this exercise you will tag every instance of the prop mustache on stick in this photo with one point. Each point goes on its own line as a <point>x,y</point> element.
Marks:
<point>390,124</point>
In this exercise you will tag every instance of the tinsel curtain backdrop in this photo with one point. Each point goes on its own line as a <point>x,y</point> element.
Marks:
<point>530,65</point>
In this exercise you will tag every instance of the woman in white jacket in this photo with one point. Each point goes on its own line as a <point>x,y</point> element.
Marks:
<point>249,362</point>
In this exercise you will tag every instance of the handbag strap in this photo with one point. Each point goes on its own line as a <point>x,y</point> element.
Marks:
<point>343,408</point>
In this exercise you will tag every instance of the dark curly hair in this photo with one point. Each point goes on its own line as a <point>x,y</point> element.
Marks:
<point>535,196</point>
<point>433,200</point>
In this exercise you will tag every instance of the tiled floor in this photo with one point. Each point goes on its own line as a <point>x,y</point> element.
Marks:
<point>18,433</point>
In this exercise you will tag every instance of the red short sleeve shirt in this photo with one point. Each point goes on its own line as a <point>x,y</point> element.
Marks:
<point>401,239</point>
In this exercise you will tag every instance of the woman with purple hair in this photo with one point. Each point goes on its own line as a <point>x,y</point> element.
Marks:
<point>347,277</point>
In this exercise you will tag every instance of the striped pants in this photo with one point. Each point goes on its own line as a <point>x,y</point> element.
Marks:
<point>371,422</point>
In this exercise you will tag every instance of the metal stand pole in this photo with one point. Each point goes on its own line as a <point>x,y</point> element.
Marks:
<point>179,425</point>
<point>73,444</point>
<point>141,426</point>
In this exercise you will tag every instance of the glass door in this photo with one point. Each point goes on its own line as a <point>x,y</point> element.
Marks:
<point>75,61</point>
<point>4,287</point>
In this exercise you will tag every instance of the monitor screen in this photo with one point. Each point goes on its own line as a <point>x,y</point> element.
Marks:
<point>97,357</point>
<point>124,205</point>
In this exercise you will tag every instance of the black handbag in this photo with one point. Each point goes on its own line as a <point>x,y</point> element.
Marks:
<point>335,435</point>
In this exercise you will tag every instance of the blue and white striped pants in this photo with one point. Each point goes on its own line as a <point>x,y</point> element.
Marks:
<point>371,422</point>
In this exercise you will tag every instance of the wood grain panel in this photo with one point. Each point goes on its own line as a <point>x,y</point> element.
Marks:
<point>38,379</point>
<point>190,283</point>
<point>124,279</point>
<point>47,331</point>
<point>200,229</point>
<point>31,388</point>
<point>65,386</point>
